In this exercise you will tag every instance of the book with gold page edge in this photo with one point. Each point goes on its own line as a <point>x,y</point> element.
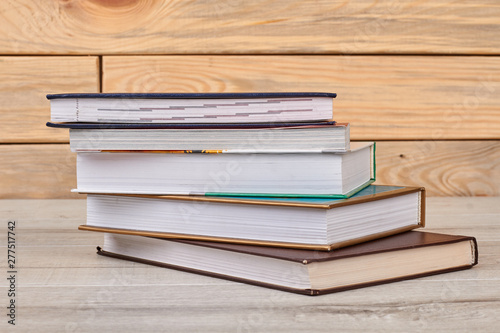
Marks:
<point>408,255</point>
<point>307,223</point>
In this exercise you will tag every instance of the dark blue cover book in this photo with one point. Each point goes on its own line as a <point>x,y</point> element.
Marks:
<point>191,107</point>
<point>193,95</point>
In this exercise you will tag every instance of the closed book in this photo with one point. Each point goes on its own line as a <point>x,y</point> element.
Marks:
<point>404,256</point>
<point>319,137</point>
<point>308,223</point>
<point>191,107</point>
<point>285,173</point>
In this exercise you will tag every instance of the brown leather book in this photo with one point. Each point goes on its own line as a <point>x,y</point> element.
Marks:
<point>409,255</point>
<point>307,223</point>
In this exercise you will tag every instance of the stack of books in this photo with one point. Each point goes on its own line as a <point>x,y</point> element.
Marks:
<point>262,188</point>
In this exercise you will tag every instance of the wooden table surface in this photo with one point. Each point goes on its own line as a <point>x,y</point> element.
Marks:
<point>63,286</point>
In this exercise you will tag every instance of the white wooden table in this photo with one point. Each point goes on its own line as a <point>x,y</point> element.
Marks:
<point>63,286</point>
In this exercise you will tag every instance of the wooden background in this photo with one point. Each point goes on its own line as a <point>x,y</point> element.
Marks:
<point>422,78</point>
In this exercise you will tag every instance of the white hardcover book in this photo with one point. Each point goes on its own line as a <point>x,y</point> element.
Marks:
<point>328,174</point>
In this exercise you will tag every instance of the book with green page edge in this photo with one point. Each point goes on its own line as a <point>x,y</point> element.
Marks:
<point>331,196</point>
<point>289,174</point>
<point>285,195</point>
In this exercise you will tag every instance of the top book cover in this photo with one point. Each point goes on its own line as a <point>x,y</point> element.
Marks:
<point>191,107</point>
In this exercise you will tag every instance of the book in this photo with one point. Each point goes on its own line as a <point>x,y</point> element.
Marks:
<point>328,136</point>
<point>408,255</point>
<point>191,107</point>
<point>308,223</point>
<point>328,174</point>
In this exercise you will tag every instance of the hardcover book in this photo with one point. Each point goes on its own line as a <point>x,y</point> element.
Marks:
<point>319,137</point>
<point>191,107</point>
<point>318,174</point>
<point>308,223</point>
<point>404,256</point>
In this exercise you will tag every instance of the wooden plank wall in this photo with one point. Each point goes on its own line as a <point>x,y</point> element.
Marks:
<point>422,78</point>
